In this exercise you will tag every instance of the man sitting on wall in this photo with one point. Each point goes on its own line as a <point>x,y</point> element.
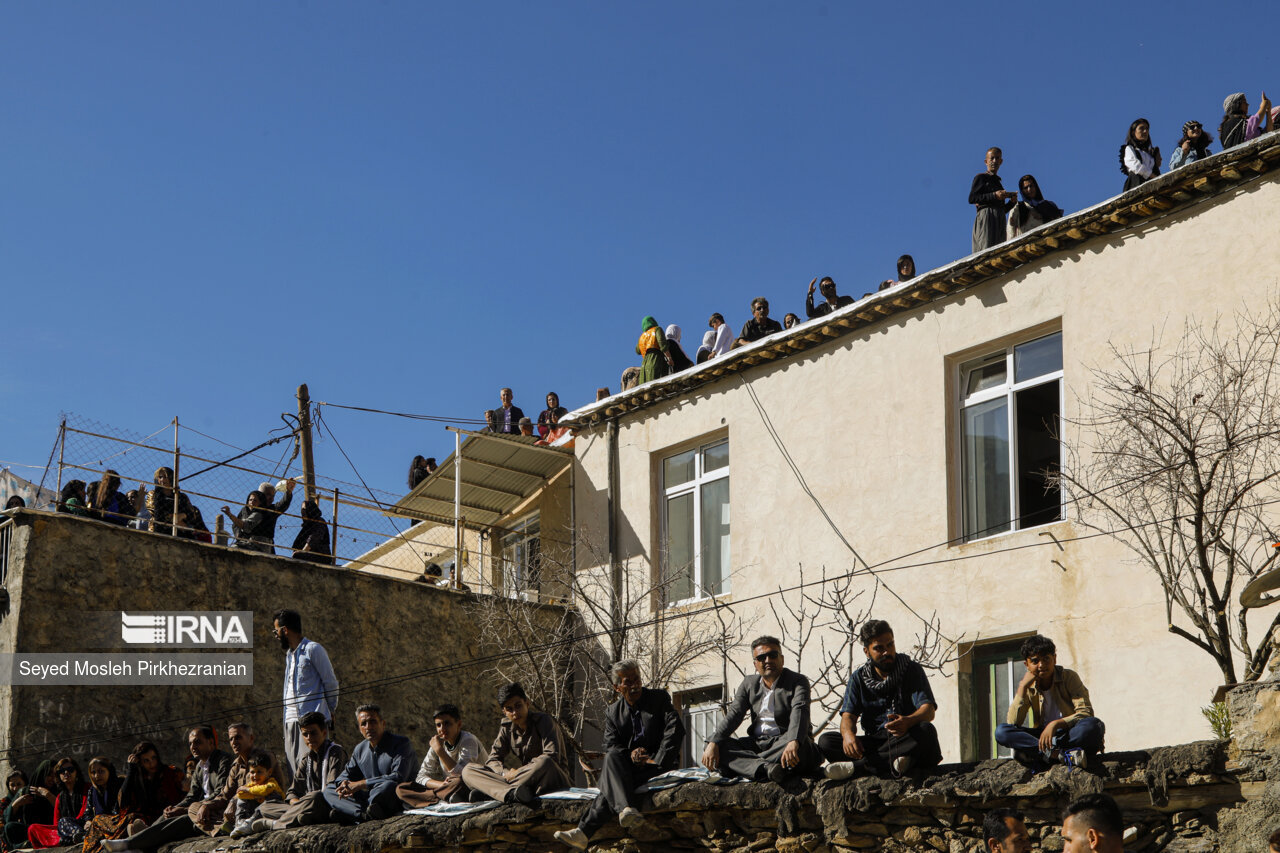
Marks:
<point>304,801</point>
<point>366,787</point>
<point>440,776</point>
<point>642,738</point>
<point>533,741</point>
<point>892,696</point>
<point>1062,721</point>
<point>779,745</point>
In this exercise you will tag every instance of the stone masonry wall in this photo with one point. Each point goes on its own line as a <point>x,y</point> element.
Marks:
<point>373,627</point>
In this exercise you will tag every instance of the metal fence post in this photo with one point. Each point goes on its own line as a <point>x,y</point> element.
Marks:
<point>334,547</point>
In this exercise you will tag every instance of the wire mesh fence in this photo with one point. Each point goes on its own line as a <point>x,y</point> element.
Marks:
<point>217,477</point>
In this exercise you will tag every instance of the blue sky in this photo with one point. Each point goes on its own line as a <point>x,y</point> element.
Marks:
<point>408,205</point>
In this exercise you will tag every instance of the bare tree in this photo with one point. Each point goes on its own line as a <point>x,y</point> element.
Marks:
<point>827,613</point>
<point>563,654</point>
<point>1177,455</point>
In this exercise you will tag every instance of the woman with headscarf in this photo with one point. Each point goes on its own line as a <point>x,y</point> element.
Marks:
<point>251,523</point>
<point>312,541</point>
<point>73,498</point>
<point>160,503</point>
<point>1193,146</point>
<point>706,351</point>
<point>551,415</point>
<point>68,809</point>
<point>654,348</point>
<point>28,805</point>
<point>679,360</point>
<point>106,501</point>
<point>1139,159</point>
<point>1032,211</point>
<point>419,470</point>
<point>1238,126</point>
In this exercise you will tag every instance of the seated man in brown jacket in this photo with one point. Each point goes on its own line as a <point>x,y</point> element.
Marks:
<point>304,802</point>
<point>1062,722</point>
<point>533,741</point>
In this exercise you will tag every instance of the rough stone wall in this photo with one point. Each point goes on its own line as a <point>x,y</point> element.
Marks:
<point>1171,796</point>
<point>373,628</point>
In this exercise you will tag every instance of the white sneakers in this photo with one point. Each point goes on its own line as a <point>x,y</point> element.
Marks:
<point>630,817</point>
<point>837,770</point>
<point>574,838</point>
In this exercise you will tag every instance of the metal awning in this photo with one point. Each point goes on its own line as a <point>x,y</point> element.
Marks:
<point>499,472</point>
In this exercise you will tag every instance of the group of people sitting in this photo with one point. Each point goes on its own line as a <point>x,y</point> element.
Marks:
<point>885,730</point>
<point>156,510</point>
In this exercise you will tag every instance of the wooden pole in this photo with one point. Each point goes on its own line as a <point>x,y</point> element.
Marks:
<point>304,435</point>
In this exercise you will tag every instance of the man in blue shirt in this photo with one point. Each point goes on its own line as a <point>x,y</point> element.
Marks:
<point>892,696</point>
<point>309,684</point>
<point>366,787</point>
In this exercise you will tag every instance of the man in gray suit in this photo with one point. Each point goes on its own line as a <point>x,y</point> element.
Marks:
<point>779,745</point>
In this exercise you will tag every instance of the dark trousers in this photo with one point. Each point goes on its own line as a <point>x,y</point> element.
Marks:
<point>1085,733</point>
<point>373,803</point>
<point>879,750</point>
<point>164,830</point>
<point>751,756</point>
<point>619,778</point>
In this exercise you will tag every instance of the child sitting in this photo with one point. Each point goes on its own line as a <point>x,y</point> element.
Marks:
<point>261,788</point>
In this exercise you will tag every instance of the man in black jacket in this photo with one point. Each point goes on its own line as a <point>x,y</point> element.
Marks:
<point>642,738</point>
<point>780,743</point>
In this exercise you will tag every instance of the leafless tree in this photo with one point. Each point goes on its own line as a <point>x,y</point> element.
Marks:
<point>1177,453</point>
<point>823,617</point>
<point>562,654</point>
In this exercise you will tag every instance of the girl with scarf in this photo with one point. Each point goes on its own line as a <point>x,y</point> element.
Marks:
<point>707,350</point>
<point>1033,211</point>
<point>1238,126</point>
<point>1139,159</point>
<point>27,805</point>
<point>679,360</point>
<point>655,350</point>
<point>107,503</point>
<point>1193,146</point>
<point>68,809</point>
<point>104,789</point>
<point>150,786</point>
<point>251,524</point>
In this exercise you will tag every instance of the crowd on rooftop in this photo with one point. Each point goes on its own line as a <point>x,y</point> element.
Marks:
<point>155,510</point>
<point>885,730</point>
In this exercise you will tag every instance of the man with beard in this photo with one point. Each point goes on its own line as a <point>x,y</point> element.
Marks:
<point>892,696</point>
<point>309,684</point>
<point>779,746</point>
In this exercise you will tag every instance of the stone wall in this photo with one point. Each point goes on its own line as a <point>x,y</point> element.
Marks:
<point>1172,797</point>
<point>373,627</point>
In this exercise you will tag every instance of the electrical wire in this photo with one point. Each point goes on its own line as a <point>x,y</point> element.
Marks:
<point>435,418</point>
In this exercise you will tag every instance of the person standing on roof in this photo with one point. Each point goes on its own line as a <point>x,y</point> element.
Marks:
<point>654,348</point>
<point>992,200</point>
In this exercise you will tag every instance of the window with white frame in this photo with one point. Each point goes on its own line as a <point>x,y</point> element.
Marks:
<point>695,522</point>
<point>702,713</point>
<point>1010,405</point>
<point>520,558</point>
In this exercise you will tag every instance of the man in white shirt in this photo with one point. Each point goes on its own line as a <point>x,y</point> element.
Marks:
<point>440,777</point>
<point>780,743</point>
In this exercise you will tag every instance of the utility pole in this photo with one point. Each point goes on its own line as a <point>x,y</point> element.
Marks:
<point>304,435</point>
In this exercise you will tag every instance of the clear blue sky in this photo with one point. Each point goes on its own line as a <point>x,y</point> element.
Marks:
<point>410,204</point>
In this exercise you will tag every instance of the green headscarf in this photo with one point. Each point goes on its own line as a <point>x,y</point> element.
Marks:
<point>647,323</point>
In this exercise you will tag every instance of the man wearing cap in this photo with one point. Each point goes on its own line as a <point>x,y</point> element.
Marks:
<point>274,508</point>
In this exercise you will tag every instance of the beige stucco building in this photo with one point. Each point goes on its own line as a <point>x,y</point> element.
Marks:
<point>907,429</point>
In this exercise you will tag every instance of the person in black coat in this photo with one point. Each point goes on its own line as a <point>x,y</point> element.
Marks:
<point>779,745</point>
<point>642,738</point>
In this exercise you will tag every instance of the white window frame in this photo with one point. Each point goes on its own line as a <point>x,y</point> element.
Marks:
<point>1007,391</point>
<point>515,576</point>
<point>694,487</point>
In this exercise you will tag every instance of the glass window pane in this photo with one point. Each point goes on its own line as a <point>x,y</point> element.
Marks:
<point>715,537</point>
<point>1039,455</point>
<point>679,568</point>
<point>678,469</point>
<point>984,373</point>
<point>716,456</point>
<point>985,449</point>
<point>1038,357</point>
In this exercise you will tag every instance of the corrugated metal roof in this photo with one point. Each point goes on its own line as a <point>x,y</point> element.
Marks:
<point>499,472</point>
